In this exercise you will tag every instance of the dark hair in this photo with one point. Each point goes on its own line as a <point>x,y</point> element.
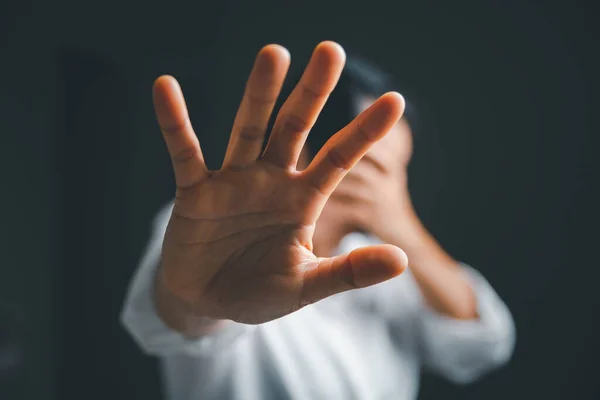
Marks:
<point>358,79</point>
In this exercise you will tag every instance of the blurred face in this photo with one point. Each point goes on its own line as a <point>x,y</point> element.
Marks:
<point>384,165</point>
<point>392,153</point>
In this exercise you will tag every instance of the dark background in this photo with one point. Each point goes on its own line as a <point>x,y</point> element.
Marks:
<point>504,171</point>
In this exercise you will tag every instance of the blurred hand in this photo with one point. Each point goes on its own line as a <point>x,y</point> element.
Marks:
<point>239,242</point>
<point>373,197</point>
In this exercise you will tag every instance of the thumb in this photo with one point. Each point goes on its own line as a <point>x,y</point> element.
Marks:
<point>360,268</point>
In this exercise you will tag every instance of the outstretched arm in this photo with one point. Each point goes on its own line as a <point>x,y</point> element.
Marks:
<point>239,241</point>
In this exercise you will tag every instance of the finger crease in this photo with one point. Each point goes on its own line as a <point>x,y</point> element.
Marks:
<point>313,93</point>
<point>256,99</point>
<point>177,127</point>
<point>185,155</point>
<point>337,159</point>
<point>364,133</point>
<point>296,125</point>
<point>347,273</point>
<point>251,133</point>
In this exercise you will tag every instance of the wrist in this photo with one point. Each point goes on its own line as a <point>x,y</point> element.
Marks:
<point>422,249</point>
<point>178,315</point>
<point>405,229</point>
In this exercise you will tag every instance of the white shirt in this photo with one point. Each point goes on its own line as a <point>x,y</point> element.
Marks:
<point>365,344</point>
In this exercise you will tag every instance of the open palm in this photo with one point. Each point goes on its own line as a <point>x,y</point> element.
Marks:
<point>239,242</point>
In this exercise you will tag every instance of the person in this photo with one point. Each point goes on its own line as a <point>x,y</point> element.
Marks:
<point>281,275</point>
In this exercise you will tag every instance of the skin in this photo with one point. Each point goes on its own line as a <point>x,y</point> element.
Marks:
<point>239,244</point>
<point>373,197</point>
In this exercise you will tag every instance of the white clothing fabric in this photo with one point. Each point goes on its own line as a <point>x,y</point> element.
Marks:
<point>365,344</point>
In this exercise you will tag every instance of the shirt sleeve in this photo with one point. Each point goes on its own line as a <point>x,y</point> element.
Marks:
<point>464,350</point>
<point>143,323</point>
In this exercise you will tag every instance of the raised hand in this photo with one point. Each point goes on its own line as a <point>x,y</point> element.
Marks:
<point>239,242</point>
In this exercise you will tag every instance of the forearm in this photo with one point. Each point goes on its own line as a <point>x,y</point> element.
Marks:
<point>179,317</point>
<point>438,275</point>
